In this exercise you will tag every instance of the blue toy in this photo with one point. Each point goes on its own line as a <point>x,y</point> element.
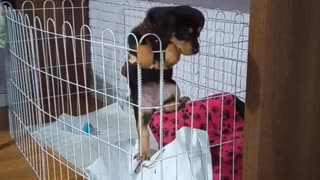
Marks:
<point>88,128</point>
<point>77,127</point>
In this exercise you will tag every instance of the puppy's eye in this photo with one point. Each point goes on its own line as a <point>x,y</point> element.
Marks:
<point>199,29</point>
<point>190,30</point>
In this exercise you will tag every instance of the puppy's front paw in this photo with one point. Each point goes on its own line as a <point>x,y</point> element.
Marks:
<point>145,56</point>
<point>172,55</point>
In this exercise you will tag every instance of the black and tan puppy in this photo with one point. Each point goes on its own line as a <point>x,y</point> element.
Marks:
<point>179,28</point>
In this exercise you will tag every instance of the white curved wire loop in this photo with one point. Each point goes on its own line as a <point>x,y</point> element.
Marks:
<point>72,12</point>
<point>26,2</point>
<point>45,9</point>
<point>6,3</point>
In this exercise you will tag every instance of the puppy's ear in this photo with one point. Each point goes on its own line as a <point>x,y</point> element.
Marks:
<point>189,13</point>
<point>161,16</point>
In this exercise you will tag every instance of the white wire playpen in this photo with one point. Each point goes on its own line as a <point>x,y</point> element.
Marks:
<point>69,106</point>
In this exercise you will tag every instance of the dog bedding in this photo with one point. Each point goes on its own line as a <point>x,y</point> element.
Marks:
<point>204,114</point>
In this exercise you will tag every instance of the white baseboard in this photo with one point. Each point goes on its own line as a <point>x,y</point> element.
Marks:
<point>3,100</point>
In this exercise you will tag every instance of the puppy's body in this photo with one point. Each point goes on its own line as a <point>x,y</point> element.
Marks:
<point>151,88</point>
<point>178,25</point>
<point>150,99</point>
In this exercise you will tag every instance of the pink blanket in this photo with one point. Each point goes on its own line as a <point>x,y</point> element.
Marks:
<point>212,110</point>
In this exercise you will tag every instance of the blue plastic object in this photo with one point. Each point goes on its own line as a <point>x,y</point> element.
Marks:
<point>87,128</point>
<point>77,127</point>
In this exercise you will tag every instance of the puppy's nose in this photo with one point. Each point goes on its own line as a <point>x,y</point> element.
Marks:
<point>195,50</point>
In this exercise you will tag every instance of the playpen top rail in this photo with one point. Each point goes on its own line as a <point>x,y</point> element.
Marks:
<point>77,37</point>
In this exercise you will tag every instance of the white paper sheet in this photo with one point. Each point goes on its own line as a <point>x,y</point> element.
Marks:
<point>194,165</point>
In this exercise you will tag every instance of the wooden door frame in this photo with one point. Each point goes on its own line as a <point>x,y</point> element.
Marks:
<point>283,105</point>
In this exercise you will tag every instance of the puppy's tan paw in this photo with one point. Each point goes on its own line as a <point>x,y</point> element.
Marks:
<point>145,56</point>
<point>172,55</point>
<point>170,107</point>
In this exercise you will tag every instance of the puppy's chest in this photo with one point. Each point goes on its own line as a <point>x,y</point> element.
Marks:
<point>151,93</point>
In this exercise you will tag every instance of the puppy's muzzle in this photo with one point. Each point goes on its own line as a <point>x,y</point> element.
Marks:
<point>195,47</point>
<point>195,50</point>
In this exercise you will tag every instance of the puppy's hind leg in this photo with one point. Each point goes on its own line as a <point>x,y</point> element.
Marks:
<point>144,135</point>
<point>174,101</point>
<point>173,106</point>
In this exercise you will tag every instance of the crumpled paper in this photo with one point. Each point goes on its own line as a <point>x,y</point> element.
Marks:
<point>187,157</point>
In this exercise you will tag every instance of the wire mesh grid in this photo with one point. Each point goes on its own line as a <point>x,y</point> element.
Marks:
<point>69,105</point>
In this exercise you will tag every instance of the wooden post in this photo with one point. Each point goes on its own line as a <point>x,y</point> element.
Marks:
<point>283,92</point>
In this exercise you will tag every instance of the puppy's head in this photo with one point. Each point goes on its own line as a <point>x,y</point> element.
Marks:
<point>182,25</point>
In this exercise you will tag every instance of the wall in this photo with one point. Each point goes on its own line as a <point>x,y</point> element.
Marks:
<point>3,55</point>
<point>3,89</point>
<point>226,5</point>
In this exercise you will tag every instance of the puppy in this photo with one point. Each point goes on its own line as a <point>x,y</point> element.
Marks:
<point>179,28</point>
